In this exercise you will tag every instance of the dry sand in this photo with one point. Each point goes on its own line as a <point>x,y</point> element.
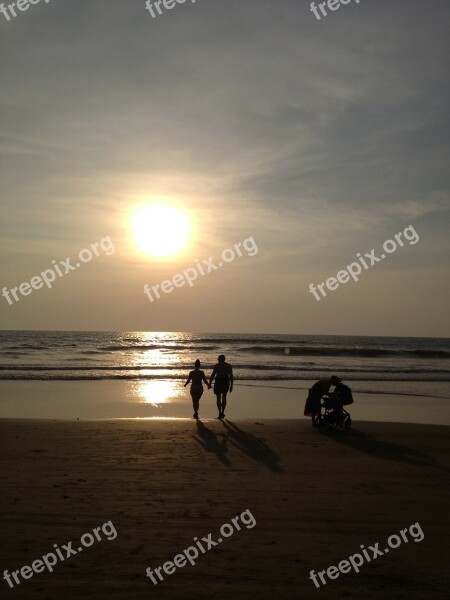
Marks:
<point>316,497</point>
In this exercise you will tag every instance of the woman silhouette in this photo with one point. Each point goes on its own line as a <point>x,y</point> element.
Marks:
<point>196,376</point>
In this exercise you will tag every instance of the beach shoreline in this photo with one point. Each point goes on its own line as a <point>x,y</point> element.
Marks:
<point>413,402</point>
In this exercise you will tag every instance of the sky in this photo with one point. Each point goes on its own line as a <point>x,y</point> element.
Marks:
<point>316,139</point>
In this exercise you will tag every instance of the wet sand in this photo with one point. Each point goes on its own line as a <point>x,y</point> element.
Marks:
<point>316,497</point>
<point>387,401</point>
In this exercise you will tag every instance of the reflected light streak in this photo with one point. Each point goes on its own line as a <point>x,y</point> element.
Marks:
<point>158,391</point>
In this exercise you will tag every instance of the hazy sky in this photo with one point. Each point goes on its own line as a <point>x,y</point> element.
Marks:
<point>320,139</point>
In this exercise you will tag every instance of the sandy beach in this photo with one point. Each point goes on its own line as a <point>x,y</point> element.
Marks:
<point>316,497</point>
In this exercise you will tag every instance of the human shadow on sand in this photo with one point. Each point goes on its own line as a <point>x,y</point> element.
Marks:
<point>255,448</point>
<point>209,441</point>
<point>381,449</point>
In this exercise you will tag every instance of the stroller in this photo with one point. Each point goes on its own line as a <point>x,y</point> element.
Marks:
<point>332,411</point>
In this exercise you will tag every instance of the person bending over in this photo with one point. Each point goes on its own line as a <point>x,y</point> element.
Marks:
<point>321,387</point>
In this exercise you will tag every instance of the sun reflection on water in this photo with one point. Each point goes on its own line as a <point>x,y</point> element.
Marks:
<point>158,391</point>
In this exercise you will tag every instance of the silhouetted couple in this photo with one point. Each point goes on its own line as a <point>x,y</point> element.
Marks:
<point>223,375</point>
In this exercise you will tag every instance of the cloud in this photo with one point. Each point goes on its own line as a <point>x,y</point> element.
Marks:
<point>314,137</point>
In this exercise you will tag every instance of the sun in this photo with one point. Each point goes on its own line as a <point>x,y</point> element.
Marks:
<point>161,230</point>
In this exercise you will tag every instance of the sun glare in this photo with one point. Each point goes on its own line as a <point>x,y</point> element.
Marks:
<point>161,230</point>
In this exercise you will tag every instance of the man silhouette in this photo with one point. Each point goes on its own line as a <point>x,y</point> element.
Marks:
<point>223,373</point>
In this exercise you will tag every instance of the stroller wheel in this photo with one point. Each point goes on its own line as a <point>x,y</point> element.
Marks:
<point>318,421</point>
<point>347,423</point>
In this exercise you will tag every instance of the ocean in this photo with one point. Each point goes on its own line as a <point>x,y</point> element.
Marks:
<point>51,355</point>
